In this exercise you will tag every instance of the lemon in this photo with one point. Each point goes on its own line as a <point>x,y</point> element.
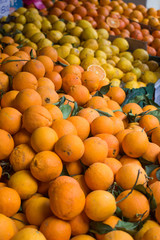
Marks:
<point>89,60</point>
<point>143,67</point>
<point>38,24</point>
<point>18,26</point>
<point>19,37</point>
<point>141,54</point>
<point>70,25</point>
<point>21,10</point>
<point>141,84</point>
<point>102,33</point>
<point>131,84</point>
<point>85,53</point>
<point>127,55</point>
<point>68,45</point>
<point>33,10</point>
<point>84,24</point>
<point>157,74</point>
<point>45,42</point>
<point>115,50</point>
<point>21,19</point>
<point>125,65</point>
<point>46,26</point>
<point>101,60</point>
<point>109,69</point>
<point>30,16</point>
<point>153,65</point>
<point>70,39</point>
<point>59,25</point>
<point>136,63</point>
<point>37,36</point>
<point>73,59</point>
<point>91,43</point>
<point>115,82</point>
<point>107,50</point>
<point>14,14</point>
<point>4,18</point>
<point>130,76</point>
<point>54,35</point>
<point>149,77</point>
<point>12,24</point>
<point>115,59</point>
<point>33,45</point>
<point>56,46</point>
<point>117,73</point>
<point>89,33</point>
<point>29,27</point>
<point>110,61</point>
<point>30,33</point>
<point>121,43</point>
<point>100,53</point>
<point>7,27</point>
<point>52,18</point>
<point>76,31</point>
<point>137,72</point>
<point>63,51</point>
<point>103,42</point>
<point>74,51</point>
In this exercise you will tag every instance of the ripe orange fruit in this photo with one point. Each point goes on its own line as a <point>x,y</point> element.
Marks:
<point>80,179</point>
<point>82,126</point>
<point>22,136</point>
<point>148,122</point>
<point>102,124</point>
<point>36,116</point>
<point>9,201</point>
<point>35,67</point>
<point>12,67</point>
<point>56,78</point>
<point>6,144</point>
<point>88,113</point>
<point>155,136</point>
<point>24,80</point>
<point>45,82</point>
<point>54,111</point>
<point>127,175</point>
<point>69,148</point>
<point>114,164</point>
<point>157,213</point>
<point>8,227</point>
<point>96,150</point>
<point>125,160</point>
<point>24,183</point>
<point>54,228</point>
<point>80,94</point>
<point>152,233</point>
<point>97,102</point>
<point>117,235</point>
<point>120,136</point>
<point>29,233</point>
<point>69,80</point>
<point>74,168</point>
<point>4,82</point>
<point>50,52</point>
<point>100,205</point>
<point>135,144</point>
<point>79,224</point>
<point>117,94</point>
<point>90,80</point>
<point>83,237</point>
<point>99,176</point>
<point>118,124</point>
<point>134,205</point>
<point>47,62</point>
<point>67,199</point>
<point>21,157</point>
<point>63,127</point>
<point>152,152</point>
<point>43,139</point>
<point>20,220</point>
<point>133,107</point>
<point>48,95</point>
<point>28,50</point>
<point>153,176</point>
<point>155,189</point>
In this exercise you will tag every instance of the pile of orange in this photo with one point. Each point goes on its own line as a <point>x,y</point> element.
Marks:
<point>64,151</point>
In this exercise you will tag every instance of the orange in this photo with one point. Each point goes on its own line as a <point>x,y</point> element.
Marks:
<point>155,189</point>
<point>7,99</point>
<point>54,111</point>
<point>80,179</point>
<point>56,78</point>
<point>74,168</point>
<point>99,176</point>
<point>47,62</point>
<point>28,234</point>
<point>27,201</point>
<point>67,199</point>
<point>24,183</point>
<point>88,113</point>
<point>12,65</point>
<point>152,152</point>
<point>132,107</point>
<point>127,175</point>
<point>69,148</point>
<point>8,227</point>
<point>10,120</point>
<point>23,55</point>
<point>152,233</point>
<point>100,205</point>
<point>35,67</point>
<point>21,157</point>
<point>9,201</point>
<point>28,96</point>
<point>20,220</point>
<point>120,136</point>
<point>117,235</point>
<point>22,136</point>
<point>114,164</point>
<point>50,52</point>
<point>4,82</point>
<point>36,116</point>
<point>102,124</point>
<point>48,95</point>
<point>90,80</point>
<point>97,102</point>
<point>24,80</point>
<point>118,125</point>
<point>54,229</point>
<point>82,126</point>
<point>7,40</point>
<point>68,99</point>
<point>71,69</point>
<point>112,142</point>
<point>148,122</point>
<point>10,49</point>
<point>45,82</point>
<point>96,150</point>
<point>134,205</point>
<point>43,139</point>
<point>153,176</point>
<point>63,127</point>
<point>79,224</point>
<point>155,136</point>
<point>125,160</point>
<point>98,70</point>
<point>28,50</point>
<point>157,213</point>
<point>37,210</point>
<point>67,16</point>
<point>135,144</point>
<point>117,94</point>
<point>113,105</point>
<point>80,94</point>
<point>46,166</point>
<point>69,80</point>
<point>6,144</point>
<point>83,237</point>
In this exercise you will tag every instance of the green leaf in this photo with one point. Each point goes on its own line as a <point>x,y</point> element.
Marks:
<point>75,109</point>
<point>158,174</point>
<point>31,54</point>
<point>140,188</point>
<point>66,110</point>
<point>155,113</point>
<point>98,93</point>
<point>105,89</point>
<point>62,64</point>
<point>129,227</point>
<point>150,168</point>
<point>64,171</point>
<point>137,99</point>
<point>144,162</point>
<point>118,212</point>
<point>62,100</point>
<point>153,203</point>
<point>100,227</point>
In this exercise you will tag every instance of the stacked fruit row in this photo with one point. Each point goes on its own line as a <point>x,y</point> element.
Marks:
<point>78,161</point>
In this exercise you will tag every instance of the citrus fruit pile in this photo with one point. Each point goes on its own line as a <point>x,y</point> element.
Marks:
<point>77,162</point>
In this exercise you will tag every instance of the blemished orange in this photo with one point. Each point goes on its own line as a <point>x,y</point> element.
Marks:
<point>69,148</point>
<point>148,122</point>
<point>102,124</point>
<point>100,205</point>
<point>23,55</point>
<point>8,227</point>
<point>127,175</point>
<point>36,116</point>
<point>74,168</point>
<point>88,113</point>
<point>8,98</point>
<point>54,228</point>
<point>6,144</point>
<point>54,111</point>
<point>9,201</point>
<point>69,80</point>
<point>99,176</point>
<point>135,144</point>
<point>155,136</point>
<point>63,127</point>
<point>24,80</point>
<point>80,94</point>
<point>10,120</point>
<point>46,166</point>
<point>67,200</point>
<point>96,150</point>
<point>152,233</point>
<point>112,142</point>
<point>117,94</point>
<point>56,78</point>
<point>22,136</point>
<point>82,126</point>
<point>43,139</point>
<point>21,157</point>
<point>97,102</point>
<point>79,224</point>
<point>28,96</point>
<point>114,164</point>
<point>29,233</point>
<point>152,152</point>
<point>37,210</point>
<point>134,205</point>
<point>48,95</point>
<point>24,183</point>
